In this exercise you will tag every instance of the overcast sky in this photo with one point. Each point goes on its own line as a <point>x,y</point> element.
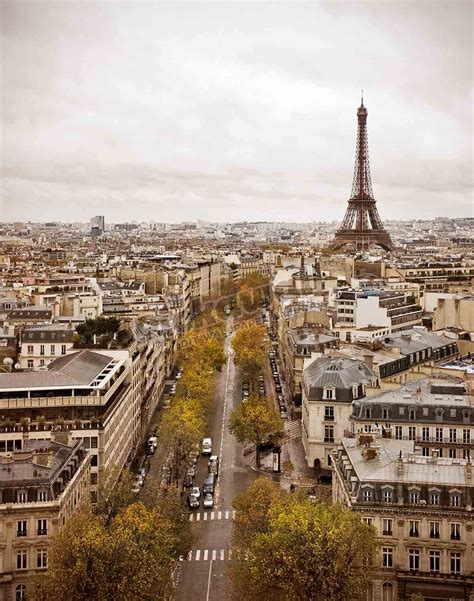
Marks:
<point>233,111</point>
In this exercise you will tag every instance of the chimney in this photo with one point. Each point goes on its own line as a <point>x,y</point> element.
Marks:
<point>468,471</point>
<point>369,360</point>
<point>400,466</point>
<point>43,457</point>
<point>62,436</point>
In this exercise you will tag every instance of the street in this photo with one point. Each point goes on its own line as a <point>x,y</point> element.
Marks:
<point>203,574</point>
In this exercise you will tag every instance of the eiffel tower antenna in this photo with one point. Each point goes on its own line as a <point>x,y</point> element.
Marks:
<point>362,225</point>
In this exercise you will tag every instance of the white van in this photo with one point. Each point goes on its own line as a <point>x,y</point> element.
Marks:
<point>206,448</point>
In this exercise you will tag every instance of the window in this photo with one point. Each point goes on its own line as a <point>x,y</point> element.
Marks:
<point>434,561</point>
<point>94,460</point>
<point>41,362</point>
<point>414,528</point>
<point>30,363</point>
<point>21,496</point>
<point>466,436</point>
<point>94,442</point>
<point>22,559</point>
<point>53,349</point>
<point>455,500</point>
<point>42,558</point>
<point>41,349</point>
<point>398,432</point>
<point>329,393</point>
<point>387,557</point>
<point>455,563</point>
<point>425,451</point>
<point>328,433</point>
<point>414,496</point>
<point>20,592</point>
<point>42,528</point>
<point>367,495</point>
<point>434,497</point>
<point>439,434</point>
<point>93,478</point>
<point>30,349</point>
<point>387,591</point>
<point>63,349</point>
<point>387,495</point>
<point>42,495</point>
<point>414,559</point>
<point>412,414</point>
<point>425,434</point>
<point>385,413</point>
<point>387,526</point>
<point>401,410</point>
<point>411,433</point>
<point>21,528</point>
<point>329,414</point>
<point>368,413</point>
<point>452,434</point>
<point>455,529</point>
<point>368,521</point>
<point>452,453</point>
<point>452,412</point>
<point>434,529</point>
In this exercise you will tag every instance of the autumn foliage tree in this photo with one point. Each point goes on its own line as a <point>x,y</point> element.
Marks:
<point>250,345</point>
<point>252,421</point>
<point>132,557</point>
<point>288,547</point>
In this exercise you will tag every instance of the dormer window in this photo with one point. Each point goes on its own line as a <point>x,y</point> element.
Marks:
<point>414,496</point>
<point>367,495</point>
<point>21,496</point>
<point>434,497</point>
<point>412,414</point>
<point>439,415</point>
<point>385,413</point>
<point>387,495</point>
<point>355,392</point>
<point>455,499</point>
<point>368,413</point>
<point>329,393</point>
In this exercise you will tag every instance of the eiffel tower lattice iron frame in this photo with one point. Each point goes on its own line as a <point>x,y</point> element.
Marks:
<point>362,225</point>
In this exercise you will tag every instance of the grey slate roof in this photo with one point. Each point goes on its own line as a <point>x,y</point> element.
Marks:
<point>338,372</point>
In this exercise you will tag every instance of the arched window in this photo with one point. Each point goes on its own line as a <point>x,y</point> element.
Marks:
<point>20,592</point>
<point>387,591</point>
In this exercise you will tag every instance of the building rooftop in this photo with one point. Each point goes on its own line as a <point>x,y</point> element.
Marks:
<point>416,469</point>
<point>337,372</point>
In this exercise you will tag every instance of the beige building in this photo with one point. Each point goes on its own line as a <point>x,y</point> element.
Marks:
<point>41,486</point>
<point>457,312</point>
<point>41,345</point>
<point>421,509</point>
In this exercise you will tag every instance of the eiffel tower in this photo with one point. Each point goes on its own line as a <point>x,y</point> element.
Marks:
<point>362,225</point>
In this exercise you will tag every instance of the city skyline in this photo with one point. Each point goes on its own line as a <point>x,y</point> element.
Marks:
<point>227,113</point>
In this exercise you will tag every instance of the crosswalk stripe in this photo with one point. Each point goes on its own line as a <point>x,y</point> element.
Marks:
<point>214,555</point>
<point>198,554</point>
<point>205,555</point>
<point>212,515</point>
<point>233,514</point>
<point>191,517</point>
<point>219,515</point>
<point>205,516</point>
<point>198,517</point>
<point>222,554</point>
<point>226,515</point>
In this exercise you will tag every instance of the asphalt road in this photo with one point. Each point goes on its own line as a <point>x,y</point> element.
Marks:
<point>203,575</point>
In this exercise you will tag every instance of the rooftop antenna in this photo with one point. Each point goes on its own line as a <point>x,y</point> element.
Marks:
<point>362,98</point>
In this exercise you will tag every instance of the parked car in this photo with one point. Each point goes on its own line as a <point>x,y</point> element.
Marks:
<point>142,471</point>
<point>213,465</point>
<point>208,501</point>
<point>188,481</point>
<point>153,440</point>
<point>191,470</point>
<point>196,491</point>
<point>193,502</point>
<point>136,488</point>
<point>208,486</point>
<point>206,448</point>
<point>139,479</point>
<point>150,449</point>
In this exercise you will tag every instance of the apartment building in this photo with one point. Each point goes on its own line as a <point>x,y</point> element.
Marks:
<point>41,486</point>
<point>96,395</point>
<point>436,413</point>
<point>330,386</point>
<point>40,345</point>
<point>456,311</point>
<point>393,310</point>
<point>421,509</point>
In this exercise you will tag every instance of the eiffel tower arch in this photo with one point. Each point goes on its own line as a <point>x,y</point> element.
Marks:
<point>362,226</point>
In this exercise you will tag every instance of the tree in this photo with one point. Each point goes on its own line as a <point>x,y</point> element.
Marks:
<point>300,550</point>
<point>250,345</point>
<point>114,491</point>
<point>252,420</point>
<point>181,428</point>
<point>133,557</point>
